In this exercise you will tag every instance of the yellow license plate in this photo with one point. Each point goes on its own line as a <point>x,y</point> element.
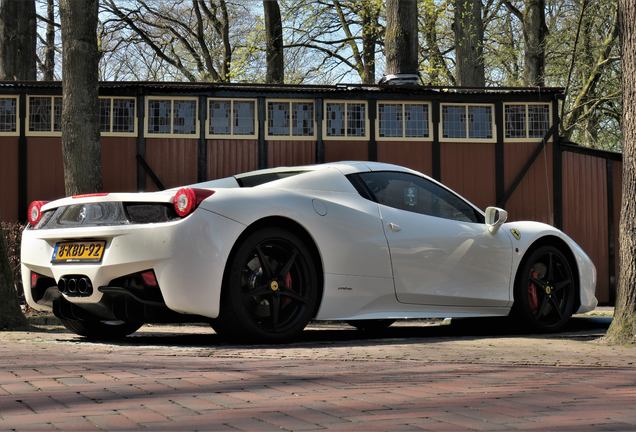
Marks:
<point>79,252</point>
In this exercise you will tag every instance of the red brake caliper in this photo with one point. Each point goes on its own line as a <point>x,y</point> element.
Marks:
<point>532,293</point>
<point>288,284</point>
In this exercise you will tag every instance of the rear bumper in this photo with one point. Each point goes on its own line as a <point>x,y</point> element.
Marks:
<point>188,257</point>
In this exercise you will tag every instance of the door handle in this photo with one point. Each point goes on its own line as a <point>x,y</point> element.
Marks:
<point>394,227</point>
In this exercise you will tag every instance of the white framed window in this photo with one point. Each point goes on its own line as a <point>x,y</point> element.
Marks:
<point>232,118</point>
<point>290,119</point>
<point>527,121</point>
<point>9,118</point>
<point>345,120</point>
<point>403,120</point>
<point>117,116</point>
<point>467,122</point>
<point>171,117</point>
<point>44,116</point>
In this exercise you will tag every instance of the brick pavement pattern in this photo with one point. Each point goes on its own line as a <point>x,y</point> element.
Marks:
<point>163,380</point>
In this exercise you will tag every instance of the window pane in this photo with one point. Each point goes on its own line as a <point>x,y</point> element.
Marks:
<point>453,121</point>
<point>390,118</point>
<point>185,117</point>
<point>416,119</point>
<point>335,119</point>
<point>244,116</point>
<point>7,115</point>
<point>124,115</point>
<point>57,114</point>
<point>480,122</point>
<point>104,115</point>
<point>40,114</point>
<point>515,116</point>
<point>278,118</point>
<point>356,116</point>
<point>302,118</point>
<point>538,120</point>
<point>416,194</point>
<point>220,117</point>
<point>159,112</point>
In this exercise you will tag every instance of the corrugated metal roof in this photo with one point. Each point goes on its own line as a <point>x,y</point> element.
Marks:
<point>288,88</point>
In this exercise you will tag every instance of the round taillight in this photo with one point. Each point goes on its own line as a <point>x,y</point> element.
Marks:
<point>186,200</point>
<point>34,212</point>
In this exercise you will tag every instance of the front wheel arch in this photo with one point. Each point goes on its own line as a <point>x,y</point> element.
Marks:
<point>287,224</point>
<point>563,247</point>
<point>559,243</point>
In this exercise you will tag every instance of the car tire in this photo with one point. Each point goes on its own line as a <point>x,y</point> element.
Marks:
<point>270,288</point>
<point>371,325</point>
<point>545,290</point>
<point>101,330</point>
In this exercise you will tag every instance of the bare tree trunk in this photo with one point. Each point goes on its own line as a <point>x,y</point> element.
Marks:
<point>49,50</point>
<point>469,43</point>
<point>369,39</point>
<point>400,39</point>
<point>274,36</point>
<point>80,128</point>
<point>534,33</point>
<point>371,32</point>
<point>437,63</point>
<point>10,314</point>
<point>623,327</point>
<point>17,40</point>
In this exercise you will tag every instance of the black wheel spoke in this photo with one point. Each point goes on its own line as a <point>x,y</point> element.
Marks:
<point>275,310</point>
<point>556,307</point>
<point>262,290</point>
<point>550,267</point>
<point>288,265</point>
<point>559,286</point>
<point>292,295</point>
<point>265,264</point>
<point>543,310</point>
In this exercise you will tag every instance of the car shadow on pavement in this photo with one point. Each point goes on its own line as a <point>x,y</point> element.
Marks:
<point>327,335</point>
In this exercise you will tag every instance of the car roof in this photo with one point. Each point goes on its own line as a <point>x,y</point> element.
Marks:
<point>346,167</point>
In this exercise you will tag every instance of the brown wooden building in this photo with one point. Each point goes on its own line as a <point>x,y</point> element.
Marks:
<point>496,146</point>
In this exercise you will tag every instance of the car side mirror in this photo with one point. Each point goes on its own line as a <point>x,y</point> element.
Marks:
<point>495,217</point>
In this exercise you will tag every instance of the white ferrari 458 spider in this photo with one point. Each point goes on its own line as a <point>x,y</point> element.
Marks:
<point>260,254</point>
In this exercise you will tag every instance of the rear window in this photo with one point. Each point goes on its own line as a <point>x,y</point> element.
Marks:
<point>259,179</point>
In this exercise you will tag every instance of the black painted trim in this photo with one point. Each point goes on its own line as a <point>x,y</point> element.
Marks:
<point>611,246</point>
<point>262,142</point>
<point>202,148</point>
<point>146,169</point>
<point>372,147</point>
<point>574,148</point>
<point>436,151</point>
<point>499,154</point>
<point>141,141</point>
<point>320,143</point>
<point>526,167</point>
<point>23,176</point>
<point>557,167</point>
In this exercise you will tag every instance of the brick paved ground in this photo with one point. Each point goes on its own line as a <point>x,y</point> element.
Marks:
<point>414,378</point>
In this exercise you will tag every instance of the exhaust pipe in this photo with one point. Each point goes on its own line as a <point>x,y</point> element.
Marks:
<point>62,285</point>
<point>71,285</point>
<point>84,287</point>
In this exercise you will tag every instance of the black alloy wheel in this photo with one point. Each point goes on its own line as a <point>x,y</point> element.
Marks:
<point>271,291</point>
<point>545,289</point>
